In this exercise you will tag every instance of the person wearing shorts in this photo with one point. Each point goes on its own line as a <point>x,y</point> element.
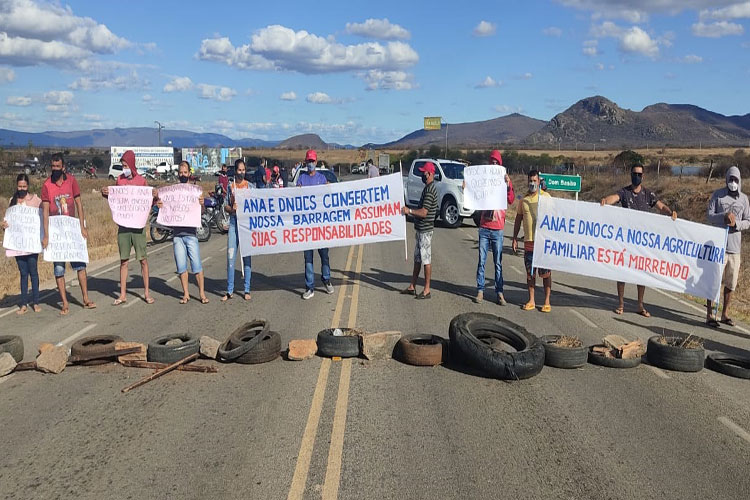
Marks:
<point>130,238</point>
<point>528,207</point>
<point>62,196</point>
<point>424,224</point>
<point>729,207</point>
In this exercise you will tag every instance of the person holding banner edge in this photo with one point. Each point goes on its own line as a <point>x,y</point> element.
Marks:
<point>26,262</point>
<point>233,238</point>
<point>127,237</point>
<point>636,197</point>
<point>528,208</point>
<point>312,178</point>
<point>491,226</point>
<point>729,207</point>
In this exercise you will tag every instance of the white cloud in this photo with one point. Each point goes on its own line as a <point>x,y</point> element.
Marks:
<point>488,83</point>
<point>717,29</point>
<point>378,28</point>
<point>599,66</point>
<point>179,84</point>
<point>504,108</point>
<point>18,101</point>
<point>527,76</point>
<point>637,11</point>
<point>388,80</point>
<point>319,98</point>
<point>632,40</point>
<point>7,75</point>
<point>9,117</point>
<point>590,48</point>
<point>279,48</point>
<point>147,98</point>
<point>691,59</point>
<point>485,28</point>
<point>736,11</point>
<point>552,31</point>
<point>216,92</point>
<point>58,97</point>
<point>93,117</point>
<point>288,96</point>
<point>120,82</point>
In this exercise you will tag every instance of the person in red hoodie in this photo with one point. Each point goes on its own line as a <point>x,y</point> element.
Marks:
<point>491,226</point>
<point>128,238</point>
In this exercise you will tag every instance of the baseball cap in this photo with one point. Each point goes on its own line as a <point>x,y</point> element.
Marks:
<point>427,167</point>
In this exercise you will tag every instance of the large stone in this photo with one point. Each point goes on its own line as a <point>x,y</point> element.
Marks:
<point>172,342</point>
<point>379,345</point>
<point>53,360</point>
<point>302,349</point>
<point>136,356</point>
<point>209,347</point>
<point>45,346</point>
<point>7,363</point>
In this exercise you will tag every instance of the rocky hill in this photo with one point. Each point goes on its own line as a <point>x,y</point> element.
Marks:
<point>304,141</point>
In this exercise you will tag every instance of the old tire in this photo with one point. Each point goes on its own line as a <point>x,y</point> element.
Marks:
<point>95,345</point>
<point>266,349</point>
<point>12,344</point>
<point>597,359</point>
<point>734,366</point>
<point>159,352</point>
<point>467,331</point>
<point>242,340</point>
<point>343,346</point>
<point>675,358</point>
<point>422,350</point>
<point>563,357</point>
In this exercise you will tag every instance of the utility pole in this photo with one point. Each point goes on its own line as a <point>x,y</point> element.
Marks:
<point>160,127</point>
<point>446,140</point>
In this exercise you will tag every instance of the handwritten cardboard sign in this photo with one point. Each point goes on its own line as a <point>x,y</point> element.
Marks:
<point>181,207</point>
<point>130,205</point>
<point>24,233</point>
<point>66,243</point>
<point>485,188</point>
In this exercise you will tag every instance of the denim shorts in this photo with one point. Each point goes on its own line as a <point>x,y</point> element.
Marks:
<point>60,268</point>
<point>186,248</point>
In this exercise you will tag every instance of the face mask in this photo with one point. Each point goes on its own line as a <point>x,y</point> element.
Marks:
<point>184,179</point>
<point>56,174</point>
<point>636,179</point>
<point>533,186</point>
<point>733,186</point>
<point>240,175</point>
<point>126,172</point>
<point>424,178</point>
<point>310,166</point>
<point>21,193</point>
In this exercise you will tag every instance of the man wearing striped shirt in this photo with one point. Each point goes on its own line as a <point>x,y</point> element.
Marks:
<point>424,224</point>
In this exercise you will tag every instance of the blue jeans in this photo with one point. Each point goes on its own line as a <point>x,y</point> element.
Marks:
<point>233,243</point>
<point>310,269</point>
<point>59,268</point>
<point>27,268</point>
<point>490,239</point>
<point>186,247</point>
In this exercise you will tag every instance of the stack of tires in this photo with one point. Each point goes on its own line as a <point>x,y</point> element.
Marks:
<point>251,344</point>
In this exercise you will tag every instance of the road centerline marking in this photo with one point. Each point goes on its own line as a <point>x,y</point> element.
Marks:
<point>584,318</point>
<point>742,433</point>
<point>77,334</point>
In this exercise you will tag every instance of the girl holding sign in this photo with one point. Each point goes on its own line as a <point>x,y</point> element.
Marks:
<point>233,239</point>
<point>27,262</point>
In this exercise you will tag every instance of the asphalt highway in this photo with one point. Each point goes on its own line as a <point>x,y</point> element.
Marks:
<point>359,429</point>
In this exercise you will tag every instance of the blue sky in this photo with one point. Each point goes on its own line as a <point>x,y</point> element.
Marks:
<point>358,71</point>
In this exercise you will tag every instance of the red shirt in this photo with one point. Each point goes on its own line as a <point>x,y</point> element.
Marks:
<point>136,180</point>
<point>61,198</point>
<point>495,219</point>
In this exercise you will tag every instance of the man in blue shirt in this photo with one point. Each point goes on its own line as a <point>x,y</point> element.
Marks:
<point>313,178</point>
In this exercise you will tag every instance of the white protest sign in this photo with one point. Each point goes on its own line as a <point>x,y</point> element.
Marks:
<point>331,215</point>
<point>65,242</point>
<point>24,232</point>
<point>485,188</point>
<point>130,205</point>
<point>624,245</point>
<point>181,207</point>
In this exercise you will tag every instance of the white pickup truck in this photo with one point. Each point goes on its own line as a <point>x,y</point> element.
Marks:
<point>449,179</point>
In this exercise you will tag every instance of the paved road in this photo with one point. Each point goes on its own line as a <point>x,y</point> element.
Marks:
<point>359,429</point>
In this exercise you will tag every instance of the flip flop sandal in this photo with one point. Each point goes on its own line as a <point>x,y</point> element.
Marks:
<point>149,300</point>
<point>408,292</point>
<point>64,311</point>
<point>644,313</point>
<point>117,302</point>
<point>728,321</point>
<point>528,307</point>
<point>546,309</point>
<point>204,300</point>
<point>619,310</point>
<point>226,297</point>
<point>712,323</point>
<point>184,300</point>
<point>90,305</point>
<point>423,295</point>
<point>248,296</point>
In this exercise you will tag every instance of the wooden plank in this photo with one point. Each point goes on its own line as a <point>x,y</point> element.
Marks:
<point>157,366</point>
<point>161,372</point>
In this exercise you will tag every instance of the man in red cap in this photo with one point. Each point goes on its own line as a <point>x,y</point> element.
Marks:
<point>424,225</point>
<point>491,226</point>
<point>128,238</point>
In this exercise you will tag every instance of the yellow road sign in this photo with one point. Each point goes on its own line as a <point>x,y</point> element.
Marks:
<point>432,122</point>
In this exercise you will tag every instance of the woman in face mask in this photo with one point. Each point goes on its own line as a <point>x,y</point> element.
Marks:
<point>27,262</point>
<point>233,239</point>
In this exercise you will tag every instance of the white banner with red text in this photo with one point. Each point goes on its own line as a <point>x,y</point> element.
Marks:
<point>331,215</point>
<point>620,244</point>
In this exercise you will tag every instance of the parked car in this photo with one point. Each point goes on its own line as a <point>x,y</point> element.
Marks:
<point>329,175</point>
<point>360,169</point>
<point>449,178</point>
<point>115,171</point>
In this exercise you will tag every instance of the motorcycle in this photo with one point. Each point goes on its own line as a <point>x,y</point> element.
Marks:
<point>90,172</point>
<point>160,233</point>
<point>214,204</point>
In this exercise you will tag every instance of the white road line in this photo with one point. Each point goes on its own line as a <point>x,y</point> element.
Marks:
<point>742,433</point>
<point>131,302</point>
<point>584,318</point>
<point>5,379</point>
<point>515,269</point>
<point>658,372</point>
<point>77,334</point>
<point>206,259</point>
<point>684,303</point>
<point>99,273</point>
<point>743,330</point>
<point>170,280</point>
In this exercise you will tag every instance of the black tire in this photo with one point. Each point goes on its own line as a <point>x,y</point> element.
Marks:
<point>734,366</point>
<point>95,345</point>
<point>467,331</point>
<point>12,344</point>
<point>422,350</point>
<point>597,359</point>
<point>204,232</point>
<point>563,357</point>
<point>158,235</point>
<point>265,350</point>
<point>159,352</point>
<point>449,213</point>
<point>242,340</point>
<point>344,346</point>
<point>674,358</point>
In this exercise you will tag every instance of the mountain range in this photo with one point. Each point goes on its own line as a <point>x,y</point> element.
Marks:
<point>594,121</point>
